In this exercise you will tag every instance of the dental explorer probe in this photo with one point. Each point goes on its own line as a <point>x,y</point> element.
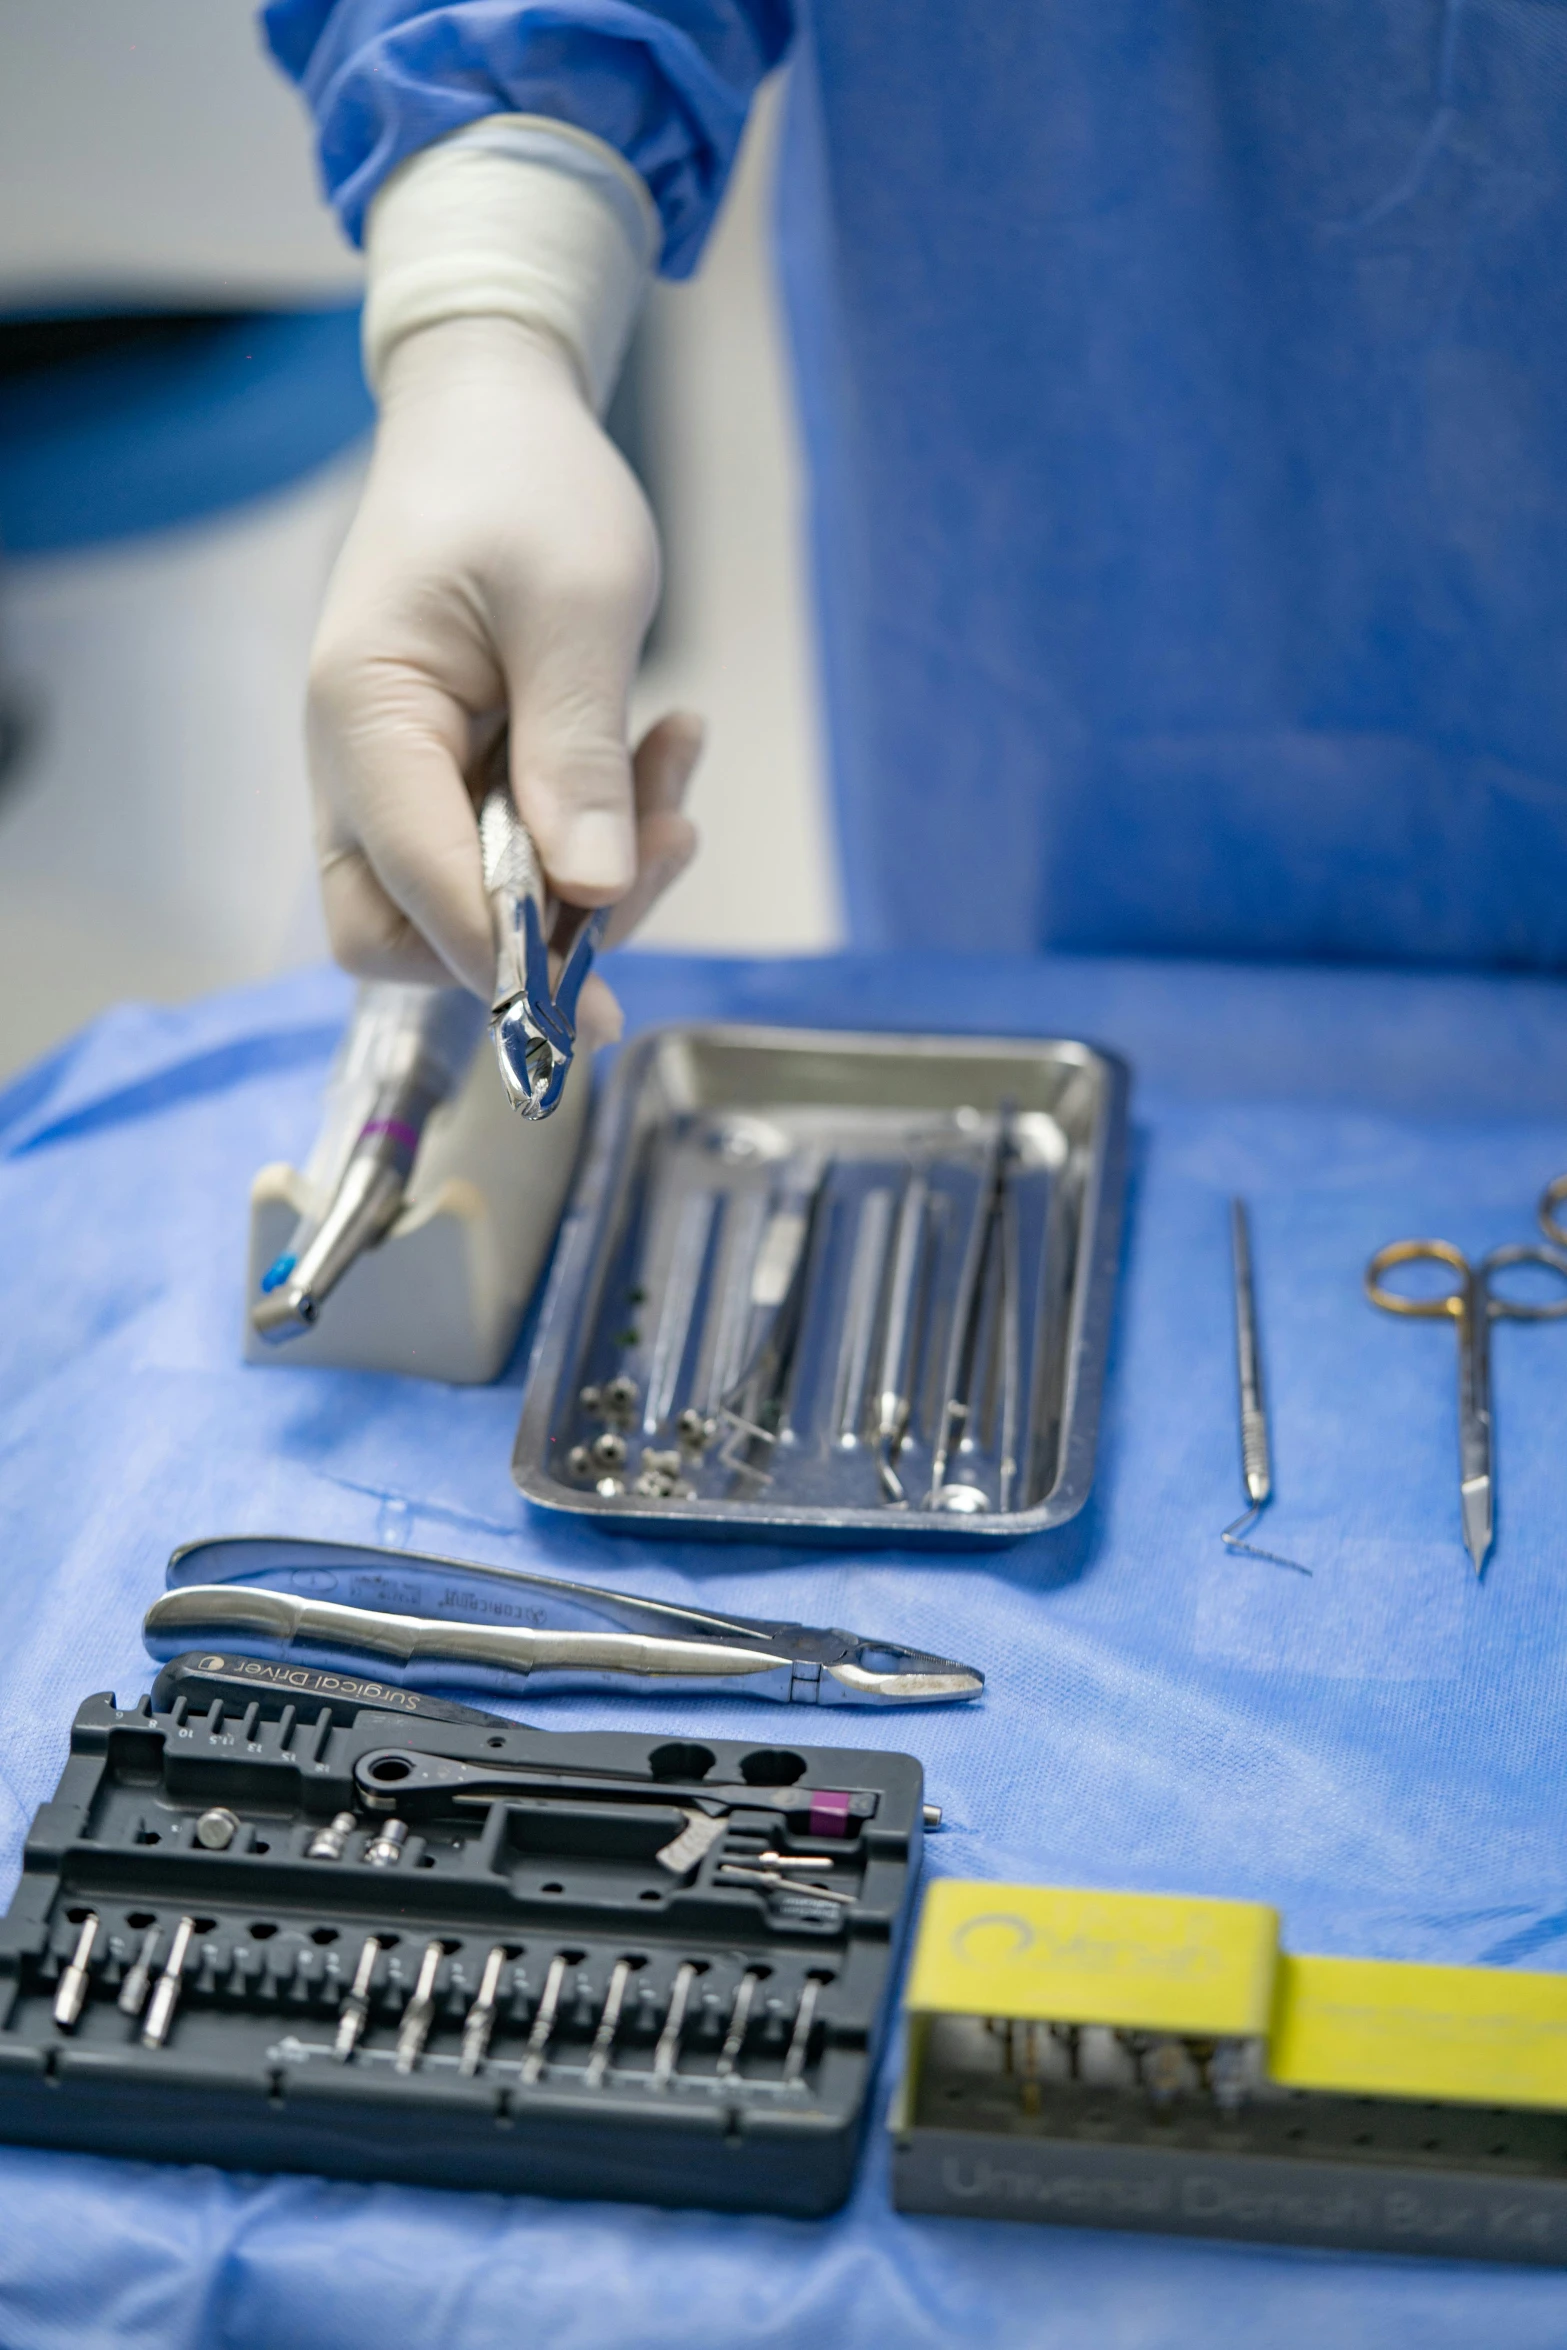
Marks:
<point>1256,1447</point>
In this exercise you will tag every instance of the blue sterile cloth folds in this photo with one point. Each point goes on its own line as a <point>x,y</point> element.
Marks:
<point>1379,1750</point>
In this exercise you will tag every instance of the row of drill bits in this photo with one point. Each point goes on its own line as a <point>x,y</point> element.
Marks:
<point>76,1977</point>
<point>422,2008</point>
<point>1162,2066</point>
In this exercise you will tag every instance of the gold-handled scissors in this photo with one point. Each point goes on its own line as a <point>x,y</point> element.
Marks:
<point>1473,1304</point>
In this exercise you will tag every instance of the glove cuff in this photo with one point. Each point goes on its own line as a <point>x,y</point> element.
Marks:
<point>515,216</point>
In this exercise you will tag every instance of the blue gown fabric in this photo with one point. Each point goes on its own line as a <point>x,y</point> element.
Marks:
<point>1379,1749</point>
<point>1184,384</point>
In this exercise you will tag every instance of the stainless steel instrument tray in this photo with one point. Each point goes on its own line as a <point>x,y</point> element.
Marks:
<point>709,1145</point>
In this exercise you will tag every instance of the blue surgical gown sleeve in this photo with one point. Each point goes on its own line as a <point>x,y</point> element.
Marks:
<point>666,82</point>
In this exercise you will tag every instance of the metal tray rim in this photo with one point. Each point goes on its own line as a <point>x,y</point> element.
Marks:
<point>1087,1344</point>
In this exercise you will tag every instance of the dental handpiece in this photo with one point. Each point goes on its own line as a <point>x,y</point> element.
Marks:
<point>414,1045</point>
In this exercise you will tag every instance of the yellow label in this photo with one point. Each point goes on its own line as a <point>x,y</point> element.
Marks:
<point>1138,1961</point>
<point>1376,2028</point>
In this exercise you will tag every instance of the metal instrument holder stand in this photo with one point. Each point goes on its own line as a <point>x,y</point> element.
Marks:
<point>444,1295</point>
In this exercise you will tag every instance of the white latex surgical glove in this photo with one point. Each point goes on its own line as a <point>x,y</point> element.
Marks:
<point>502,558</point>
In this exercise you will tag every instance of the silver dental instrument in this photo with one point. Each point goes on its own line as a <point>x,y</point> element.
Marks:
<point>666,2056</point>
<point>533,1018</point>
<point>71,1993</point>
<point>419,2014</point>
<point>502,1629</point>
<point>1473,1304</point>
<point>406,1050</point>
<point>895,1383</point>
<point>957,1384</point>
<point>355,2011</point>
<point>1256,1448</point>
<point>133,1991</point>
<point>479,2022</point>
<point>739,2024</point>
<point>800,2037</point>
<point>166,1991</point>
<point>544,2022</point>
<point>774,1881</point>
<point>609,2024</point>
<point>866,1269</point>
<point>757,1404</point>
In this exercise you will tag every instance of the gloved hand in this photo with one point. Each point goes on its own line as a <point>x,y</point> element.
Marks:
<point>502,557</point>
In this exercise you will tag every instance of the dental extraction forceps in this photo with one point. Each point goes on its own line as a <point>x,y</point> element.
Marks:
<point>1473,1305</point>
<point>429,1622</point>
<point>532,1021</point>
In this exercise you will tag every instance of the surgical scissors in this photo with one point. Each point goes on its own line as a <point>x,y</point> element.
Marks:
<point>1473,1304</point>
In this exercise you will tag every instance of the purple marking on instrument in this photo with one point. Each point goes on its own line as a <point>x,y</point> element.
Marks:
<point>829,1811</point>
<point>408,1136</point>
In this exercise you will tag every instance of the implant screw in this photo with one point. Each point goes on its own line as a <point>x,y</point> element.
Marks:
<point>328,1843</point>
<point>609,1450</point>
<point>216,1829</point>
<point>385,1850</point>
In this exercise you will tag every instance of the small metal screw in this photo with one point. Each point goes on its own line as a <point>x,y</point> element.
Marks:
<point>216,1829</point>
<point>694,1430</point>
<point>620,1397</point>
<point>609,1450</point>
<point>653,1487</point>
<point>327,1843</point>
<point>386,1850</point>
<point>592,1401</point>
<point>579,1462</point>
<point>609,1488</point>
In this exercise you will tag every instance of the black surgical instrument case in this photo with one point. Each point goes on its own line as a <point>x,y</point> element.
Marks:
<point>603,1963</point>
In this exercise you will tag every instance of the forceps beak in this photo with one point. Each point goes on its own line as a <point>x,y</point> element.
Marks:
<point>535,1030</point>
<point>532,1022</point>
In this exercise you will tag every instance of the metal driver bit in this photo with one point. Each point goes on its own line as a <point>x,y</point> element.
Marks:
<point>355,2013</point>
<point>166,1991</point>
<point>419,2014</point>
<point>773,1881</point>
<point>739,2025</point>
<point>479,2022</point>
<point>609,2024</point>
<point>800,2038</point>
<point>666,2056</point>
<point>133,1991</point>
<point>543,2022</point>
<point>71,1996</point>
